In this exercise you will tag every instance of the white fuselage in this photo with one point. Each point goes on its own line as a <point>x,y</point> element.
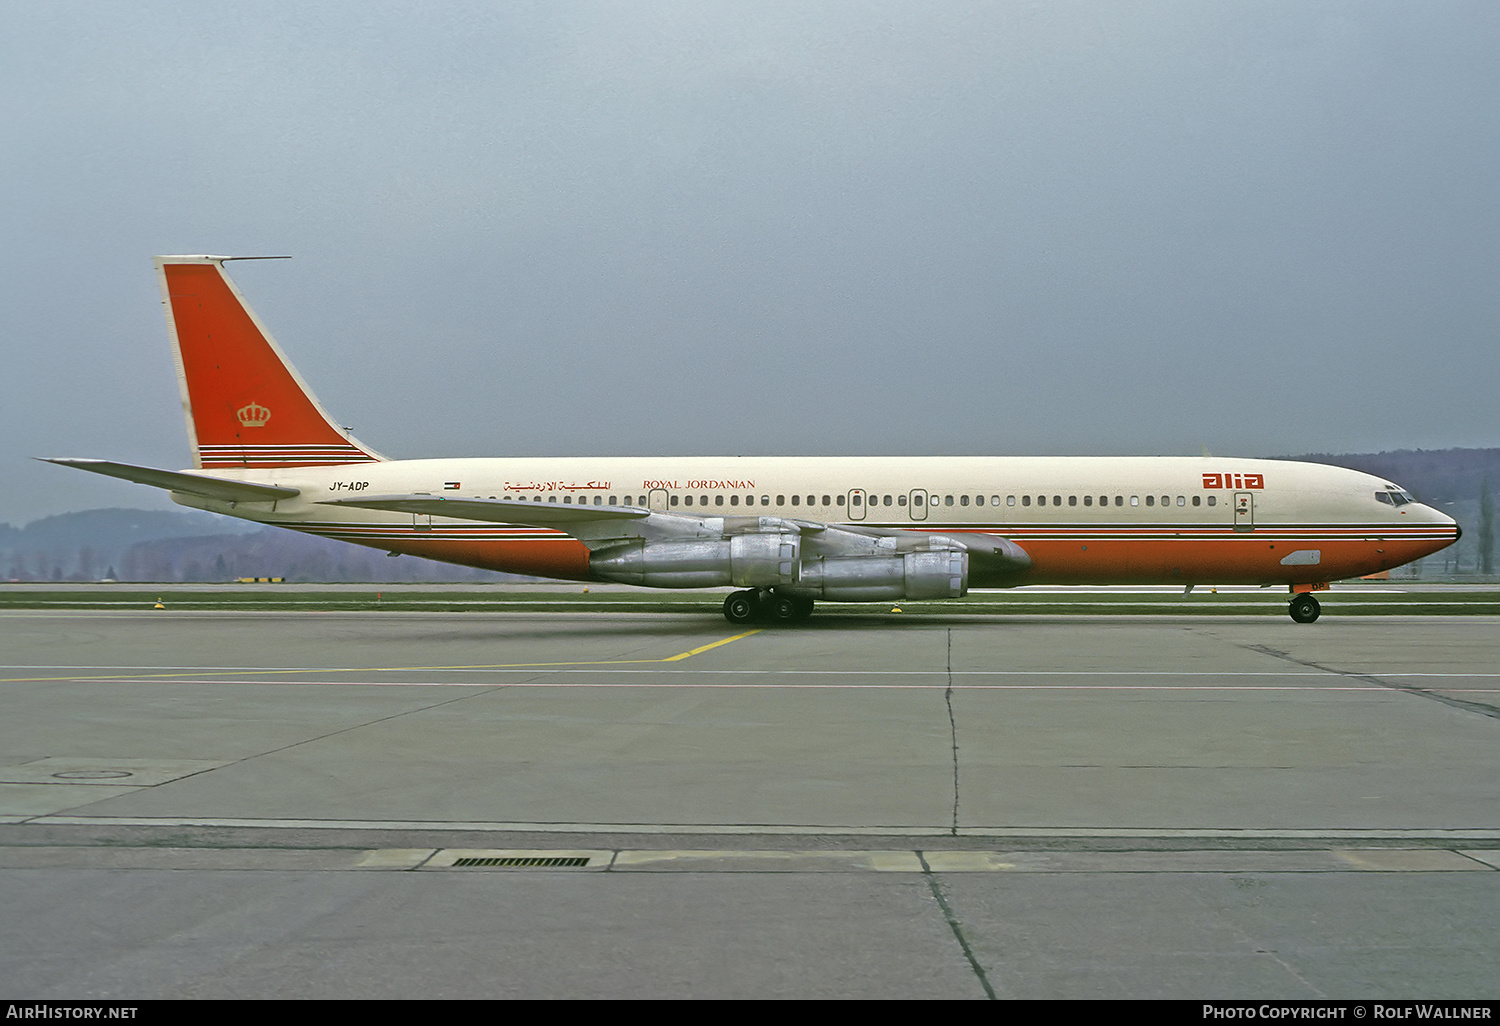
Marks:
<point>1185,520</point>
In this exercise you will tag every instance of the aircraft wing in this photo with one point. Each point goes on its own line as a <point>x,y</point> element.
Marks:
<point>178,481</point>
<point>601,527</point>
<point>499,511</point>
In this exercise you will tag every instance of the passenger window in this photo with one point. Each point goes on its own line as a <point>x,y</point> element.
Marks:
<point>1213,500</point>
<point>1026,500</point>
<point>963,500</point>
<point>1166,500</point>
<point>781,500</point>
<point>810,500</point>
<point>796,500</point>
<point>598,500</point>
<point>1181,499</point>
<point>551,498</point>
<point>1041,500</point>
<point>1197,500</point>
<point>1010,500</point>
<point>1057,500</point>
<point>947,500</point>
<point>734,500</point>
<point>1088,500</point>
<point>901,500</point>
<point>994,500</point>
<point>687,500</point>
<point>1072,500</point>
<point>612,501</point>
<point>828,502</point>
<point>853,500</point>
<point>671,501</point>
<point>979,500</point>
<point>1135,500</point>
<point>916,500</point>
<point>567,500</point>
<point>703,500</point>
<point>887,501</point>
<point>1104,500</point>
<point>1119,500</point>
<point>838,500</point>
<point>765,500</point>
<point>1151,500</point>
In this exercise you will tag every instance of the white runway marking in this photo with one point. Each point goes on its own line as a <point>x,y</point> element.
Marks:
<point>800,685</point>
<point>773,829</point>
<point>117,672</point>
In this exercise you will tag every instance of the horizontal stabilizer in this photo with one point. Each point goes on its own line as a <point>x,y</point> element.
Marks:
<point>176,481</point>
<point>499,511</point>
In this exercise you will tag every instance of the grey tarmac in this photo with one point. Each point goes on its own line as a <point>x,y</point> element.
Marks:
<point>232,804</point>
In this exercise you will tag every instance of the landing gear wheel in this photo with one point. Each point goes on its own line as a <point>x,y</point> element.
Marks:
<point>741,607</point>
<point>784,609</point>
<point>1304,608</point>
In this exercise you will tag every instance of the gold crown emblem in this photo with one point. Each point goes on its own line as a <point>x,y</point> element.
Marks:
<point>253,415</point>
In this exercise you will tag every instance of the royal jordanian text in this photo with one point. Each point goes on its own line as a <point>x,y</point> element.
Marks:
<point>721,485</point>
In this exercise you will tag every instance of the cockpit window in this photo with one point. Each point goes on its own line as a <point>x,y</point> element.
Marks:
<point>1384,497</point>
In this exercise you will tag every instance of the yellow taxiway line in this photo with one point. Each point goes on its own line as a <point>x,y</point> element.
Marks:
<point>679,657</point>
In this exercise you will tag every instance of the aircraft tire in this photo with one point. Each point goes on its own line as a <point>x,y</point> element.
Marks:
<point>1304,608</point>
<point>741,607</point>
<point>785,609</point>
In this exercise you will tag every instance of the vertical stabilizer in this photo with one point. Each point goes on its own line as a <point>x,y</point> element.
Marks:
<point>246,405</point>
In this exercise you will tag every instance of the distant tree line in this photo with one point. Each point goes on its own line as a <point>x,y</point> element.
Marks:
<point>221,558</point>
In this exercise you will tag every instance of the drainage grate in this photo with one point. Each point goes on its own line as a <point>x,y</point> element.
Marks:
<point>514,862</point>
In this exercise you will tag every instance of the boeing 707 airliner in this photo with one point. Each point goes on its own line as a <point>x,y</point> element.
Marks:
<point>784,531</point>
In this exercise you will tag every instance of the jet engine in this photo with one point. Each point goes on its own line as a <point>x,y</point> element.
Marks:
<point>764,560</point>
<point>911,575</point>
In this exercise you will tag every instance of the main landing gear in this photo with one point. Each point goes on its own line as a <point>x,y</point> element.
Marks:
<point>765,606</point>
<point>1304,608</point>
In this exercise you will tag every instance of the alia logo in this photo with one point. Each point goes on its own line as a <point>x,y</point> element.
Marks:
<point>253,415</point>
<point>1234,481</point>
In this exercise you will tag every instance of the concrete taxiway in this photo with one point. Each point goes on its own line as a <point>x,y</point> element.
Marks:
<point>281,805</point>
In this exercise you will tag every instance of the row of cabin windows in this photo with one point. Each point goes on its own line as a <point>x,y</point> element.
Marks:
<point>1119,500</point>
<point>898,500</point>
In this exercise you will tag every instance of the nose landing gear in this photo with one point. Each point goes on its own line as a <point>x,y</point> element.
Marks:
<point>1304,608</point>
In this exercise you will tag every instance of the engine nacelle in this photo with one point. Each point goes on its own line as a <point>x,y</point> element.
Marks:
<point>761,560</point>
<point>913,575</point>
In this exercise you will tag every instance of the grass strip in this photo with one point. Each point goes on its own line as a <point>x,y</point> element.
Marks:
<point>1484,602</point>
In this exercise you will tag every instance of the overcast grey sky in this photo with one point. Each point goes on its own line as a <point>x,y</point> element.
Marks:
<point>699,227</point>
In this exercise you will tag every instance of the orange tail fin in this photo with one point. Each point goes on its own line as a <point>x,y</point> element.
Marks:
<point>246,405</point>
